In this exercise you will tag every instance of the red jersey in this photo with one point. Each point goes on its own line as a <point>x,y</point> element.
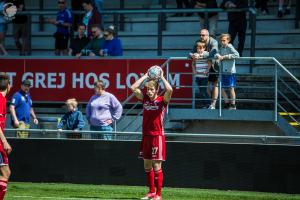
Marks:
<point>2,111</point>
<point>153,115</point>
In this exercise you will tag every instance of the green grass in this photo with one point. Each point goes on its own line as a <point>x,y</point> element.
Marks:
<point>27,191</point>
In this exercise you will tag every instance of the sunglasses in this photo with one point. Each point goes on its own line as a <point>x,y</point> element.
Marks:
<point>106,35</point>
<point>61,2</point>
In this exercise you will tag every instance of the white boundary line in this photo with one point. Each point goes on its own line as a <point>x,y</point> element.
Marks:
<point>58,198</point>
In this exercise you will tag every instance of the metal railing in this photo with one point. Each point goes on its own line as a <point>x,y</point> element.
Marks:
<point>281,102</point>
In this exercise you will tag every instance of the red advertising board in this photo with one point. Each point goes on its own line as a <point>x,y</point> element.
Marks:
<point>55,80</point>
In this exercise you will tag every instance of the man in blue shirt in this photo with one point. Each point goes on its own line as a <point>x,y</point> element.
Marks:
<point>21,108</point>
<point>112,45</point>
<point>63,23</point>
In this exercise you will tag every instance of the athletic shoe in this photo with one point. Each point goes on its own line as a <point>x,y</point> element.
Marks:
<point>226,105</point>
<point>211,107</point>
<point>149,195</point>
<point>232,107</point>
<point>157,197</point>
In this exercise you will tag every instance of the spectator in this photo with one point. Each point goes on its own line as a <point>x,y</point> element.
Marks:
<point>21,109</point>
<point>287,10</point>
<point>5,147</point>
<point>91,17</point>
<point>209,53</point>
<point>72,120</point>
<point>262,5</point>
<point>3,29</point>
<point>201,68</point>
<point>79,42</point>
<point>76,6</point>
<point>237,22</point>
<point>102,110</point>
<point>226,56</point>
<point>20,28</point>
<point>212,17</point>
<point>99,5</point>
<point>94,46</point>
<point>63,23</point>
<point>179,4</point>
<point>112,46</point>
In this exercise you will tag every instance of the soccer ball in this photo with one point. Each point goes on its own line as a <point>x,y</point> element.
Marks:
<point>154,72</point>
<point>9,11</point>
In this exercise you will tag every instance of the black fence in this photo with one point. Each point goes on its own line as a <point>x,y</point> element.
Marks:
<point>270,168</point>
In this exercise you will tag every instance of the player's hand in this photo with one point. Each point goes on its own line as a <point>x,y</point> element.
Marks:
<point>7,147</point>
<point>36,121</point>
<point>109,121</point>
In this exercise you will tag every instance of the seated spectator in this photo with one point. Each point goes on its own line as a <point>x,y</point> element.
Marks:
<point>91,16</point>
<point>94,46</point>
<point>112,46</point>
<point>79,42</point>
<point>63,22</point>
<point>212,17</point>
<point>72,120</point>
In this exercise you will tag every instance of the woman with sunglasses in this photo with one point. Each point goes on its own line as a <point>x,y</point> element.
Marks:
<point>112,45</point>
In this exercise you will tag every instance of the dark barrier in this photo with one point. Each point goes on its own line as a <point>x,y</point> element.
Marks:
<point>272,168</point>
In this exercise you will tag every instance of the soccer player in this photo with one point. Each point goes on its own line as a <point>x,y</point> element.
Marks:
<point>153,149</point>
<point>5,148</point>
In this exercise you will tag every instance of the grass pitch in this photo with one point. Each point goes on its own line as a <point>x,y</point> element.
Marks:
<point>42,191</point>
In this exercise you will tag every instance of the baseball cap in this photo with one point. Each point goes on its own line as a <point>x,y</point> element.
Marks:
<point>26,83</point>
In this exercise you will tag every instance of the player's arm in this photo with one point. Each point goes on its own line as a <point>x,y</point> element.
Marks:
<point>135,88</point>
<point>168,88</point>
<point>6,145</point>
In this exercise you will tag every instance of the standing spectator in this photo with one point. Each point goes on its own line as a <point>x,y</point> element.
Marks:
<point>112,46</point>
<point>153,146</point>
<point>20,28</point>
<point>226,56</point>
<point>212,17</point>
<point>99,5</point>
<point>5,148</point>
<point>76,6</point>
<point>237,22</point>
<point>209,53</point>
<point>72,120</point>
<point>3,29</point>
<point>287,10</point>
<point>201,69</point>
<point>262,5</point>
<point>21,109</point>
<point>95,45</point>
<point>102,110</point>
<point>63,22</point>
<point>179,4</point>
<point>79,42</point>
<point>91,17</point>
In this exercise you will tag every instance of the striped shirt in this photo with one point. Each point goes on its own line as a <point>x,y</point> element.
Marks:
<point>201,66</point>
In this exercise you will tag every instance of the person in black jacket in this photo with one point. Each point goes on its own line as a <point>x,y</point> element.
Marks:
<point>212,16</point>
<point>237,21</point>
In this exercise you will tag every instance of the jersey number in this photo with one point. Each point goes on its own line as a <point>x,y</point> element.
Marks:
<point>154,150</point>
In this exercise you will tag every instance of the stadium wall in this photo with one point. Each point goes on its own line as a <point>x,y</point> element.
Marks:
<point>271,168</point>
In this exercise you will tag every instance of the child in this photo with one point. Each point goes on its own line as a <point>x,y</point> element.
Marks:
<point>226,56</point>
<point>201,68</point>
<point>73,119</point>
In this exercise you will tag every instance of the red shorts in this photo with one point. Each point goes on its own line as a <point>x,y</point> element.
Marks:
<point>153,147</point>
<point>3,157</point>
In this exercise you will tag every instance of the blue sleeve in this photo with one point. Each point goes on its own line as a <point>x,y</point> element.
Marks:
<point>117,49</point>
<point>15,100</point>
<point>81,122</point>
<point>68,17</point>
<point>62,122</point>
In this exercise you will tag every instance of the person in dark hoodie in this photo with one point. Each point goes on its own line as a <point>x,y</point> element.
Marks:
<point>72,120</point>
<point>237,21</point>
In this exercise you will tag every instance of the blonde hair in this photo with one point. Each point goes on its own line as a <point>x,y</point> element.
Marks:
<point>201,44</point>
<point>227,35</point>
<point>152,83</point>
<point>72,102</point>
